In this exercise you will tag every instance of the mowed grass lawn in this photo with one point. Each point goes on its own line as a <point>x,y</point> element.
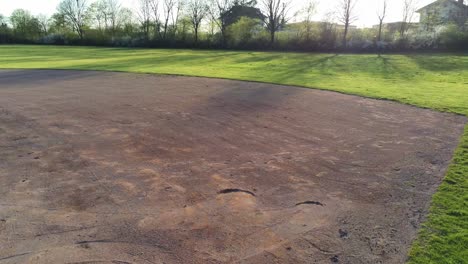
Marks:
<point>437,81</point>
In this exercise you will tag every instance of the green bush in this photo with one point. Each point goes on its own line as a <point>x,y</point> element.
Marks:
<point>244,33</point>
<point>453,37</point>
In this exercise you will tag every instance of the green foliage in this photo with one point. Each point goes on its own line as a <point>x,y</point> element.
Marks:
<point>59,24</point>
<point>3,24</point>
<point>4,30</point>
<point>105,23</point>
<point>239,10</point>
<point>328,35</point>
<point>24,24</point>
<point>436,81</point>
<point>242,32</point>
<point>454,37</point>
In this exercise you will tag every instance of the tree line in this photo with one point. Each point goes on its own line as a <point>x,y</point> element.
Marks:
<point>228,24</point>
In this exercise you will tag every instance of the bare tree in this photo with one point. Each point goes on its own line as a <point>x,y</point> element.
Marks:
<point>184,25</point>
<point>328,32</point>
<point>113,12</point>
<point>44,23</point>
<point>102,12</point>
<point>74,12</point>
<point>106,14</point>
<point>144,16</point>
<point>347,17</point>
<point>197,11</point>
<point>381,13</point>
<point>275,12</point>
<point>168,8</point>
<point>96,14</point>
<point>409,8</point>
<point>126,20</point>
<point>218,10</point>
<point>154,4</point>
<point>308,12</point>
<point>175,16</point>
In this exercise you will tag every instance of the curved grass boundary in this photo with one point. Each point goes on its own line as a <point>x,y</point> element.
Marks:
<point>435,81</point>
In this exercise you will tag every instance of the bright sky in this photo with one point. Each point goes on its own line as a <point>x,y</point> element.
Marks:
<point>365,9</point>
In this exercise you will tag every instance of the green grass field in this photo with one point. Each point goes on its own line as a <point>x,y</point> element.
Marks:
<point>436,81</point>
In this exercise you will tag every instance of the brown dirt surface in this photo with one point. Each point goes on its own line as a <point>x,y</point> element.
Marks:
<point>130,168</point>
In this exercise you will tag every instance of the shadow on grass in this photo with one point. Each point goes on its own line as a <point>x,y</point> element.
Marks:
<point>292,73</point>
<point>440,63</point>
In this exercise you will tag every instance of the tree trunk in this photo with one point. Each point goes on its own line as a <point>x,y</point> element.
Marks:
<point>272,37</point>
<point>345,35</point>
<point>402,29</point>
<point>165,26</point>
<point>147,30</point>
<point>380,31</point>
<point>223,36</point>
<point>80,33</point>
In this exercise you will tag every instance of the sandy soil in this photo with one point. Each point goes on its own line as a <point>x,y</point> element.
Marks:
<point>127,168</point>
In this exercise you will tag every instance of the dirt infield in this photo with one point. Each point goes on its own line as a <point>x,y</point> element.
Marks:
<point>127,168</point>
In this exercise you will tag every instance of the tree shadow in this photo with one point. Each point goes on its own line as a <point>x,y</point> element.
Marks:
<point>388,69</point>
<point>303,68</point>
<point>15,78</point>
<point>145,63</point>
<point>439,62</point>
<point>238,99</point>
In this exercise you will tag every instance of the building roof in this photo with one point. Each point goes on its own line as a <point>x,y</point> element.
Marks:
<point>455,2</point>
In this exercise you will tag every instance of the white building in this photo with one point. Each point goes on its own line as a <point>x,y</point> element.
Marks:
<point>442,12</point>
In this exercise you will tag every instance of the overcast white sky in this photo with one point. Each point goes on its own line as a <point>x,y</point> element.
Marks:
<point>365,9</point>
